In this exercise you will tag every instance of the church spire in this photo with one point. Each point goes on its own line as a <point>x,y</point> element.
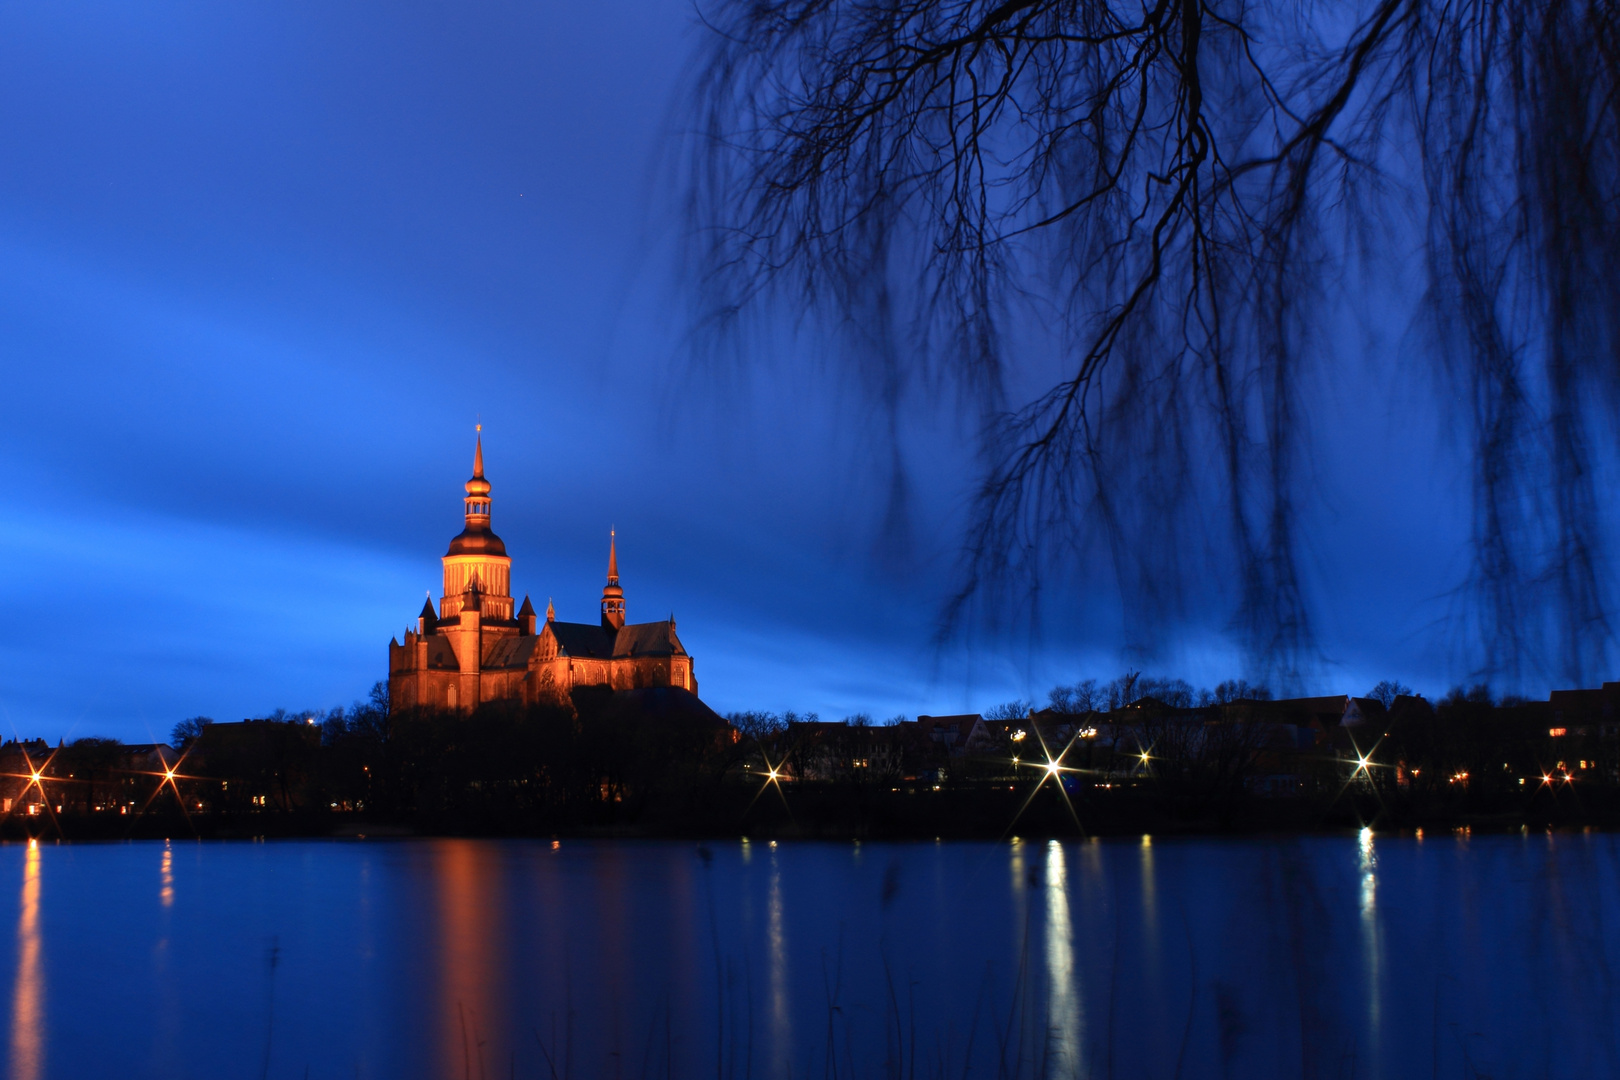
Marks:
<point>613,595</point>
<point>478,488</point>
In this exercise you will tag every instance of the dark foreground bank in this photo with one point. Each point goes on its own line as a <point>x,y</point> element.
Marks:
<point>660,763</point>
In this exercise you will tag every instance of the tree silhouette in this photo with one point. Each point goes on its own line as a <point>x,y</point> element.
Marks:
<point>1179,188</point>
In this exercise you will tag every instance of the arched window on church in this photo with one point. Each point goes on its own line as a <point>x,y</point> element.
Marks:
<point>450,696</point>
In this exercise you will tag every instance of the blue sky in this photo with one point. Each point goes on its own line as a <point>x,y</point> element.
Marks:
<point>262,266</point>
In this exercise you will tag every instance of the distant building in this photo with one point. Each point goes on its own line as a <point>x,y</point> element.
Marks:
<point>1581,710</point>
<point>92,775</point>
<point>20,760</point>
<point>476,649</point>
<point>964,733</point>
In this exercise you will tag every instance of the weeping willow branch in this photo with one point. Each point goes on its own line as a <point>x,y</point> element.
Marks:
<point>1169,179</point>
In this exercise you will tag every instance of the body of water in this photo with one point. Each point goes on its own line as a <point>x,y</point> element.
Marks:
<point>1363,956</point>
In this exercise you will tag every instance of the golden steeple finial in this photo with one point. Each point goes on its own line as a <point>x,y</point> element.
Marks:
<point>478,452</point>
<point>613,557</point>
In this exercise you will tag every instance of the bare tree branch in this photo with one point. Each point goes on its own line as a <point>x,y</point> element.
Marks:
<point>1171,178</point>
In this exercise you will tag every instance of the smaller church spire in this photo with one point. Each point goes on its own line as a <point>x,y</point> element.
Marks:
<point>613,595</point>
<point>551,612</point>
<point>478,452</point>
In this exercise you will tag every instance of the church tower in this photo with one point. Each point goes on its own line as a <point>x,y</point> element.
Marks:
<point>613,595</point>
<point>477,557</point>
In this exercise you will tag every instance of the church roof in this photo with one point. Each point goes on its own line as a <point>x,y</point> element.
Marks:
<point>603,642</point>
<point>647,639</point>
<point>508,652</point>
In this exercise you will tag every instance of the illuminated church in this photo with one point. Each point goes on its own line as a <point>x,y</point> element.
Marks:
<point>477,650</point>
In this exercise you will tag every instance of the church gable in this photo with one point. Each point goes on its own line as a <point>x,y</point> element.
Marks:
<point>440,655</point>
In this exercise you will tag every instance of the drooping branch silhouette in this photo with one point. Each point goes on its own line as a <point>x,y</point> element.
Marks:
<point>1172,189</point>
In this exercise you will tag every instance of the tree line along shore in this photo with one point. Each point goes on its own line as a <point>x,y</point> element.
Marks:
<point>1135,755</point>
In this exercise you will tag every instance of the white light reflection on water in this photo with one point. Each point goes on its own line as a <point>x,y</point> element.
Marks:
<point>1064,1001</point>
<point>28,993</point>
<point>781,1004</point>
<point>1021,891</point>
<point>1371,944</point>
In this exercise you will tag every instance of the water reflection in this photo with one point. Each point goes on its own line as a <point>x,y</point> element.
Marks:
<point>1149,912</point>
<point>166,877</point>
<point>1064,1000</point>
<point>781,1006</point>
<point>421,960</point>
<point>471,930</point>
<point>1152,960</point>
<point>1369,880</point>
<point>1371,946</point>
<point>28,994</point>
<point>1021,893</point>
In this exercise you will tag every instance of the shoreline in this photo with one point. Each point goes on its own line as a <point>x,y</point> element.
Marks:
<point>341,825</point>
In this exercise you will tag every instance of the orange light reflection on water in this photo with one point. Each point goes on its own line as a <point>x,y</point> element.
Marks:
<point>166,876</point>
<point>28,993</point>
<point>471,975</point>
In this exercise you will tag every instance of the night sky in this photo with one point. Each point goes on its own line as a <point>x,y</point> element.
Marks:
<point>262,268</point>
